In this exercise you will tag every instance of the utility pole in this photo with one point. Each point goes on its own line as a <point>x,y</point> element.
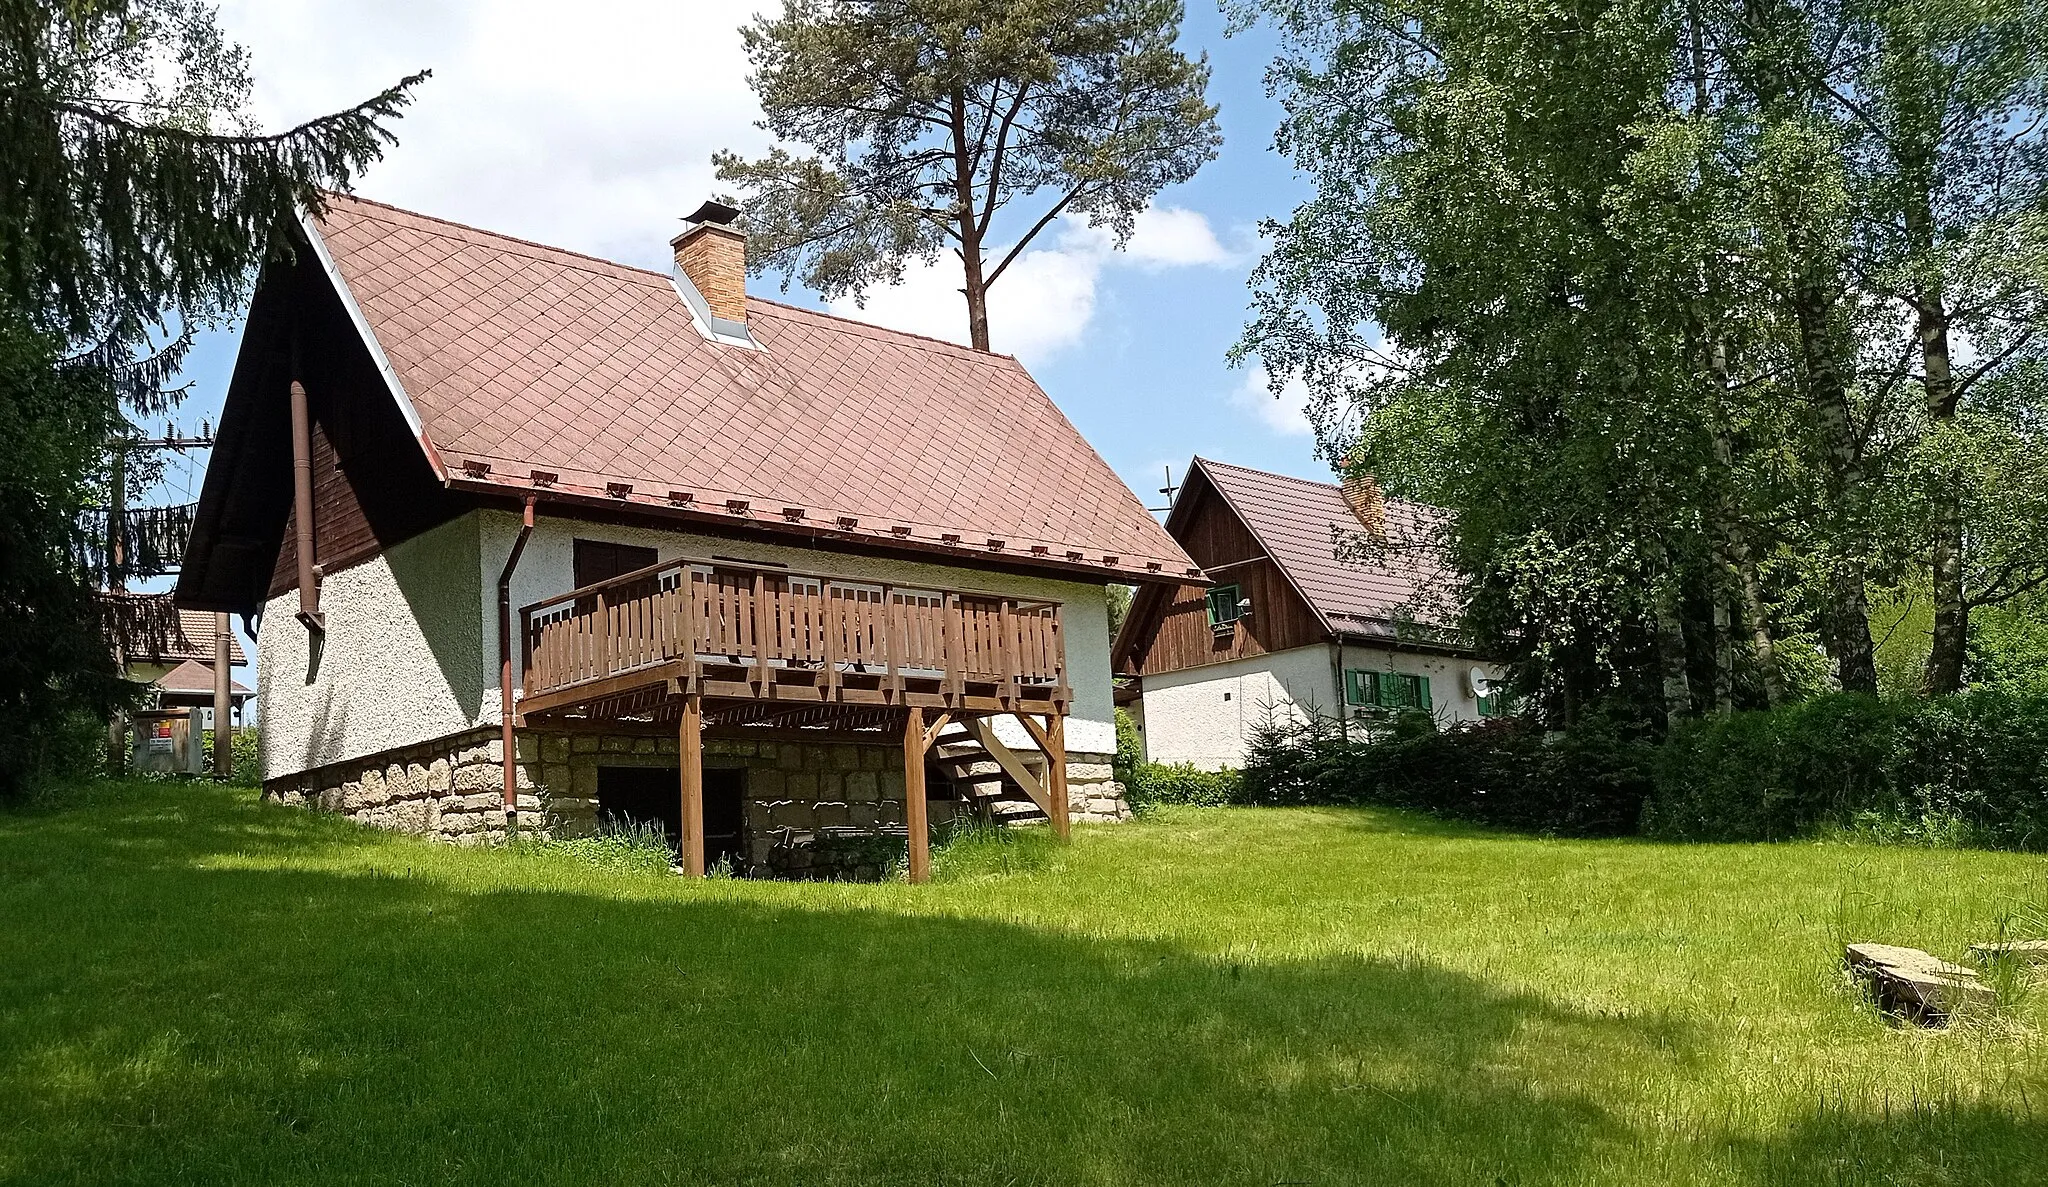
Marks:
<point>118,564</point>
<point>117,582</point>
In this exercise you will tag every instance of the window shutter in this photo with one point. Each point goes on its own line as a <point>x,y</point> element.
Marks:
<point>1389,690</point>
<point>1422,686</point>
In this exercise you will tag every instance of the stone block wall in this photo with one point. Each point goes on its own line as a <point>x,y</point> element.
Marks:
<point>452,789</point>
<point>824,809</point>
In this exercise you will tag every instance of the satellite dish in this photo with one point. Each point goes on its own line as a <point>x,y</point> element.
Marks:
<point>1482,685</point>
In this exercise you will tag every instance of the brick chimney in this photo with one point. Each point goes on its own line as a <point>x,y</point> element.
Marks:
<point>712,253</point>
<point>1368,505</point>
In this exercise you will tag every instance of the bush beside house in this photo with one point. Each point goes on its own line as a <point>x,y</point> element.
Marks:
<point>1969,769</point>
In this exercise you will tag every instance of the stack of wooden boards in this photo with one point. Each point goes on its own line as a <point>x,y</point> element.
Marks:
<point>1925,989</point>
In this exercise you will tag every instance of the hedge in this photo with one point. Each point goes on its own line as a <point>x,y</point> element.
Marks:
<point>1970,769</point>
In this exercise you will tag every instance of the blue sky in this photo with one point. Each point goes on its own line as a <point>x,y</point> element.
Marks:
<point>590,126</point>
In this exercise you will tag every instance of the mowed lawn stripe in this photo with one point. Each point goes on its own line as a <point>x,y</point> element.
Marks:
<point>202,987</point>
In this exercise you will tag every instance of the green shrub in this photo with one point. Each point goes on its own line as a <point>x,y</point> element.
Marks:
<point>1590,781</point>
<point>1181,783</point>
<point>1968,769</point>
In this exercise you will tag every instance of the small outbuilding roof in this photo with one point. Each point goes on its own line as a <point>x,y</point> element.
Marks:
<point>193,677</point>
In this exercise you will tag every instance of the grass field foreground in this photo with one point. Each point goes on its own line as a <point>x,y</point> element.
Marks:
<point>201,987</point>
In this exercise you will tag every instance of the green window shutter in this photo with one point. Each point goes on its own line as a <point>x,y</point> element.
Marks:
<point>1486,706</point>
<point>1390,690</point>
<point>1361,687</point>
<point>1422,700</point>
<point>1222,605</point>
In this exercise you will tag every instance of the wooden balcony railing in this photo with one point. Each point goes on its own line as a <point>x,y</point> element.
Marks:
<point>752,630</point>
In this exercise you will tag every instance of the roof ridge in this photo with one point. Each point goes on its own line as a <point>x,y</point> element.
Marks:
<point>462,226</point>
<point>950,346</point>
<point>1338,487</point>
<point>913,335</point>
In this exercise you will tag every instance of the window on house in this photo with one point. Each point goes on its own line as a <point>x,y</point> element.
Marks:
<point>1223,605</point>
<point>600,560</point>
<point>1497,704</point>
<point>1386,690</point>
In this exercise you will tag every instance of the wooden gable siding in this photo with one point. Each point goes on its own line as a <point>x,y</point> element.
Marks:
<point>372,487</point>
<point>341,530</point>
<point>1177,634</point>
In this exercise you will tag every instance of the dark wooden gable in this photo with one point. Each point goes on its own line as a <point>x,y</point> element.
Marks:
<point>372,486</point>
<point>1169,626</point>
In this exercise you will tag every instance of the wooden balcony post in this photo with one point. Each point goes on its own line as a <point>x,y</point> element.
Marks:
<point>1007,648</point>
<point>1056,773</point>
<point>828,616</point>
<point>690,753</point>
<point>956,649</point>
<point>913,796</point>
<point>691,629</point>
<point>761,633</point>
<point>890,616</point>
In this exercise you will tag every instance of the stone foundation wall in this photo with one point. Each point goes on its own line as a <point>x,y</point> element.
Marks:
<point>823,809</point>
<point>452,789</point>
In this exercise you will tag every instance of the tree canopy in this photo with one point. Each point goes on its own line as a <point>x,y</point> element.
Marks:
<point>926,120</point>
<point>140,201</point>
<point>1655,298</point>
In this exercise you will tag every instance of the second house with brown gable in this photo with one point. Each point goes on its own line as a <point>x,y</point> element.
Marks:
<point>534,539</point>
<point>1320,600</point>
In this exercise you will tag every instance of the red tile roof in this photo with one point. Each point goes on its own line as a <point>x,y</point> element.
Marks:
<point>522,357</point>
<point>193,640</point>
<point>1298,523</point>
<point>194,677</point>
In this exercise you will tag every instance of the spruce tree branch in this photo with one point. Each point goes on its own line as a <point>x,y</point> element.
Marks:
<point>384,103</point>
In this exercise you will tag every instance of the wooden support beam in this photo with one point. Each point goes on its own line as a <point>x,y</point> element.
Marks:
<point>913,796</point>
<point>1052,738</point>
<point>1056,774</point>
<point>931,732</point>
<point>984,732</point>
<point>690,753</point>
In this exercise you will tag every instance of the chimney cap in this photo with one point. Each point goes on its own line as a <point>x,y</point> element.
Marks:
<point>714,212</point>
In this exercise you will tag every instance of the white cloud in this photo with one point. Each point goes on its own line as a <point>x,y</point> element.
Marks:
<point>1286,414</point>
<point>589,125</point>
<point>1042,305</point>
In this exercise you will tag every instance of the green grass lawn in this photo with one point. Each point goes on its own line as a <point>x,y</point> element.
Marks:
<point>197,987</point>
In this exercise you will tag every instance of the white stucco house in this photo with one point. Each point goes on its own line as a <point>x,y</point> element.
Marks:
<point>1318,599</point>
<point>532,539</point>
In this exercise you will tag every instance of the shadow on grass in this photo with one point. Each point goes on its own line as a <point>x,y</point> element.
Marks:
<point>161,1021</point>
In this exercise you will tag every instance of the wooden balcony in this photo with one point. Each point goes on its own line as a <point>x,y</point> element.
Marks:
<point>766,645</point>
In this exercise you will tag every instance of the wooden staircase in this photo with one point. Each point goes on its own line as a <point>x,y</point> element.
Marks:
<point>986,776</point>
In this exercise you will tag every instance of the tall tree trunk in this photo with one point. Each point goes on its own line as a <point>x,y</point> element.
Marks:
<point>1845,627</point>
<point>1734,546</point>
<point>1944,671</point>
<point>975,289</point>
<point>1671,655</point>
<point>1724,656</point>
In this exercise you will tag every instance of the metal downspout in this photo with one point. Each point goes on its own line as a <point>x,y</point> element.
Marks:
<point>511,766</point>
<point>302,509</point>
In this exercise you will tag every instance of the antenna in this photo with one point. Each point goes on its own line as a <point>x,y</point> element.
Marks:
<point>1167,490</point>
